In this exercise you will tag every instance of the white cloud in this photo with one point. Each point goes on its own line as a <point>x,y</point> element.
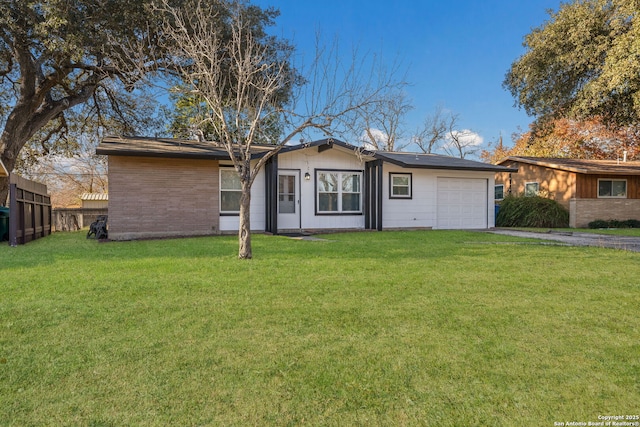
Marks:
<point>381,139</point>
<point>468,138</point>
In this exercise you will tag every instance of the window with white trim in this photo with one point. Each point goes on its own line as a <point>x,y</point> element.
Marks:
<point>531,189</point>
<point>612,188</point>
<point>338,192</point>
<point>230,191</point>
<point>499,192</point>
<point>400,185</point>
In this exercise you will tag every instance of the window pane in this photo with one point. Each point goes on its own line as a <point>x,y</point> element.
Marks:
<point>230,201</point>
<point>499,192</point>
<point>286,204</point>
<point>351,183</point>
<point>327,182</point>
<point>286,183</point>
<point>401,180</point>
<point>328,202</point>
<point>531,189</point>
<point>351,202</point>
<point>229,179</point>
<point>400,191</point>
<point>619,188</point>
<point>604,188</point>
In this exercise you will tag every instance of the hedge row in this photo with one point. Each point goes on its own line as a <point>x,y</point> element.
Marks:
<point>614,223</point>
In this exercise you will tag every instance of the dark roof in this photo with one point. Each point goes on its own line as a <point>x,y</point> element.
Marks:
<point>167,147</point>
<point>436,161</point>
<point>325,144</point>
<point>188,149</point>
<point>584,166</point>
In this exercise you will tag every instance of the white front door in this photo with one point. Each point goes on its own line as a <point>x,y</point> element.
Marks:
<point>288,200</point>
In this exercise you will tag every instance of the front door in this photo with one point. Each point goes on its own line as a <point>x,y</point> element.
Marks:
<point>289,200</point>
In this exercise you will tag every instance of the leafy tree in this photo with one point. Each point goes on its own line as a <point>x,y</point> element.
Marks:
<point>584,62</point>
<point>63,62</point>
<point>588,139</point>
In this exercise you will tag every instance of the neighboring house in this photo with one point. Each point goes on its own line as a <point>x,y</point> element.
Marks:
<point>95,200</point>
<point>167,187</point>
<point>589,189</point>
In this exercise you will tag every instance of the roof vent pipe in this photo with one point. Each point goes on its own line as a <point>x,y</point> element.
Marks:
<point>624,156</point>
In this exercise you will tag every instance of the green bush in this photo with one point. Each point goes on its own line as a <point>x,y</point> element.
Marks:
<point>531,211</point>
<point>598,223</point>
<point>614,223</point>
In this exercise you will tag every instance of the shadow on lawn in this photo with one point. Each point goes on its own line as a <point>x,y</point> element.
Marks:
<point>385,246</point>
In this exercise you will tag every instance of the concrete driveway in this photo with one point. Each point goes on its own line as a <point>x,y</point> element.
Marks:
<point>578,239</point>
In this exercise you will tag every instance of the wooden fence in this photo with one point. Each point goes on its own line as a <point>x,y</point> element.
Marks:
<point>73,219</point>
<point>29,210</point>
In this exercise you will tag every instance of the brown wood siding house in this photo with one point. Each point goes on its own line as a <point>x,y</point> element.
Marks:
<point>579,185</point>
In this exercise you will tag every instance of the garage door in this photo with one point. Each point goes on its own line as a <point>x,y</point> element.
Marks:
<point>462,203</point>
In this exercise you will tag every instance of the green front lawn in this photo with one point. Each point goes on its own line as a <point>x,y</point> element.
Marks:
<point>392,328</point>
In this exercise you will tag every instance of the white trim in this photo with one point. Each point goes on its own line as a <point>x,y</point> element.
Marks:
<point>409,185</point>
<point>339,192</point>
<point>220,190</point>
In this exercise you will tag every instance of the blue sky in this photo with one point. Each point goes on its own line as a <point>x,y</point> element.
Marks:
<point>455,52</point>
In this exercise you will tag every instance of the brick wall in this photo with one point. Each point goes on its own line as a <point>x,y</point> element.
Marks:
<point>156,197</point>
<point>583,211</point>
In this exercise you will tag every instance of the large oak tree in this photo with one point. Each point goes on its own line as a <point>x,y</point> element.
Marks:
<point>584,62</point>
<point>63,61</point>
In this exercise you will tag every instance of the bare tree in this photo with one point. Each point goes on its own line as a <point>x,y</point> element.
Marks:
<point>434,130</point>
<point>462,143</point>
<point>242,83</point>
<point>379,126</point>
<point>68,177</point>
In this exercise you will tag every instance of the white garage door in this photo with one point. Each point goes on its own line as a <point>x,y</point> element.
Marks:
<point>462,203</point>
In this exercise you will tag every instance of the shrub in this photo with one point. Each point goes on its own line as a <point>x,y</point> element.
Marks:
<point>598,223</point>
<point>531,211</point>
<point>614,223</point>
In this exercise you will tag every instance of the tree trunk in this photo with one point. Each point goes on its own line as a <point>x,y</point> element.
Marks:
<point>8,163</point>
<point>4,191</point>
<point>244,229</point>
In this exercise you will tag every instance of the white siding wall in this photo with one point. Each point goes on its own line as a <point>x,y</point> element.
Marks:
<point>258,207</point>
<point>308,161</point>
<point>421,210</point>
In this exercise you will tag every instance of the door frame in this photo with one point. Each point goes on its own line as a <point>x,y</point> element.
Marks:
<point>298,198</point>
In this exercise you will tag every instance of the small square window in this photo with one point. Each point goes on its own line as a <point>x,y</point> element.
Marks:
<point>531,189</point>
<point>400,185</point>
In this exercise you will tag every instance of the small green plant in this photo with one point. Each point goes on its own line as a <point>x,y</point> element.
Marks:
<point>614,223</point>
<point>531,211</point>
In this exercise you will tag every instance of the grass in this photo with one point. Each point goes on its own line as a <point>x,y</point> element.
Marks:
<point>393,328</point>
